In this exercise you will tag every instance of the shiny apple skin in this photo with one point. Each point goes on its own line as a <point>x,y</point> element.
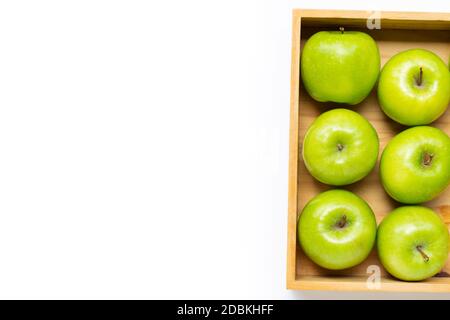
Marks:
<point>339,66</point>
<point>332,247</point>
<point>401,232</point>
<point>400,96</point>
<point>320,150</point>
<point>403,174</point>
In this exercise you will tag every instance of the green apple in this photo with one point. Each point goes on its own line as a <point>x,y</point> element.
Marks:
<point>415,165</point>
<point>412,243</point>
<point>340,147</point>
<point>340,66</point>
<point>414,87</point>
<point>337,229</point>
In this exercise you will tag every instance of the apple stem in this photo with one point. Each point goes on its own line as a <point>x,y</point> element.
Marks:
<point>427,159</point>
<point>424,255</point>
<point>419,81</point>
<point>341,223</point>
<point>340,146</point>
<point>341,29</point>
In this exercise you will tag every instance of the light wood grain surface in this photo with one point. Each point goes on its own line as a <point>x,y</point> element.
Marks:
<point>301,272</point>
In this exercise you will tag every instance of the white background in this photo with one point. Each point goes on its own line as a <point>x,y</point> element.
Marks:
<point>144,144</point>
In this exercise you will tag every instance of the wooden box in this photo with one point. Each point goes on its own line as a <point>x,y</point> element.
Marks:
<point>399,31</point>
